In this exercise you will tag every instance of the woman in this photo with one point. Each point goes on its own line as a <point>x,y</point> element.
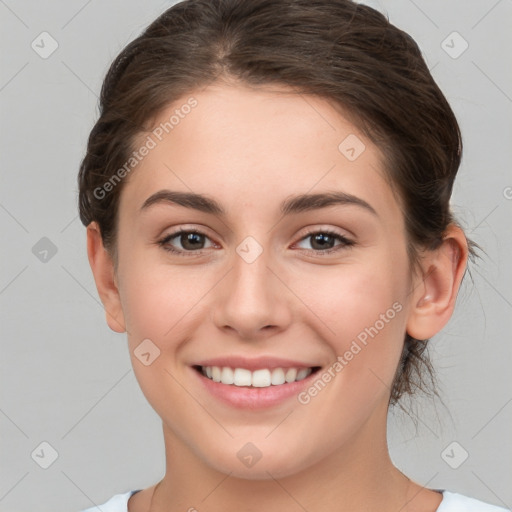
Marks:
<point>304,149</point>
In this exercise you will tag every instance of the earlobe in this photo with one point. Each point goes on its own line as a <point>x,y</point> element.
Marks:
<point>104,276</point>
<point>435,292</point>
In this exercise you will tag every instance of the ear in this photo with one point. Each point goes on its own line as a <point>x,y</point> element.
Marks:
<point>435,291</point>
<point>102,268</point>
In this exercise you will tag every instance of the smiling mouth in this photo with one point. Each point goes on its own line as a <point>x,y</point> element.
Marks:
<point>261,378</point>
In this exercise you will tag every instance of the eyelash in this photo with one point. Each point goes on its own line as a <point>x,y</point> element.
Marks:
<point>345,242</point>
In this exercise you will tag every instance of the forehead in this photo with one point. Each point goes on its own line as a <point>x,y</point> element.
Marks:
<point>256,145</point>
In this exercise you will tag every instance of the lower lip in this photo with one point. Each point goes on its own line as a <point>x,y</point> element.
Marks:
<point>254,398</point>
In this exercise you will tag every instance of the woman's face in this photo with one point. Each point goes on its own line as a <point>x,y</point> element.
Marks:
<point>253,290</point>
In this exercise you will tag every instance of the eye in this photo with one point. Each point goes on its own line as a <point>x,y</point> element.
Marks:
<point>191,240</point>
<point>323,241</point>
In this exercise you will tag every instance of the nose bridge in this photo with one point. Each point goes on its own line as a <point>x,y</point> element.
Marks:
<point>251,269</point>
<point>254,298</point>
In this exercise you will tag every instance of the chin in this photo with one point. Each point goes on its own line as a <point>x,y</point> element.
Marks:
<point>250,463</point>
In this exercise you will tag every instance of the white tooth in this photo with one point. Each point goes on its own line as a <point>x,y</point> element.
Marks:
<point>261,378</point>
<point>226,376</point>
<point>216,373</point>
<point>291,373</point>
<point>302,373</point>
<point>277,376</point>
<point>242,377</point>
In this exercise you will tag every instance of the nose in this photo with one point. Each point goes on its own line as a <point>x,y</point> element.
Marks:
<point>254,301</point>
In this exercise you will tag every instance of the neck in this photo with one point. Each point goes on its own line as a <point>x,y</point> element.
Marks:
<point>357,476</point>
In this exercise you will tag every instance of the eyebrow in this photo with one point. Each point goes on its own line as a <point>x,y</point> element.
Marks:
<point>295,204</point>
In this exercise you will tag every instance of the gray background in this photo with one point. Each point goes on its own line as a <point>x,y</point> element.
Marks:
<point>66,379</point>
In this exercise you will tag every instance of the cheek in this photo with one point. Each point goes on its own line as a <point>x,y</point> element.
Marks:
<point>155,306</point>
<point>157,298</point>
<point>366,318</point>
<point>162,305</point>
<point>362,307</point>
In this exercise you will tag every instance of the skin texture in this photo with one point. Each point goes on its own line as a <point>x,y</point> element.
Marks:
<point>250,149</point>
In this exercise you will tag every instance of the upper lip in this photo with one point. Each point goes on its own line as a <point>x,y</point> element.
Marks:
<point>255,363</point>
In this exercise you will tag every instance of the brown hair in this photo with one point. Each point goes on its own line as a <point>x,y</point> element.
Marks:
<point>339,50</point>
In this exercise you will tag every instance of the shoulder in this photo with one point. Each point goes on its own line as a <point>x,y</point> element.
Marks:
<point>454,502</point>
<point>118,503</point>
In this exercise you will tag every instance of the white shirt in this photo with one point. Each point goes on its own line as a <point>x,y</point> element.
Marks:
<point>452,502</point>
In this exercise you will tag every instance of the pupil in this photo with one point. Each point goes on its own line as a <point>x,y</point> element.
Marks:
<point>190,238</point>
<point>322,239</point>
